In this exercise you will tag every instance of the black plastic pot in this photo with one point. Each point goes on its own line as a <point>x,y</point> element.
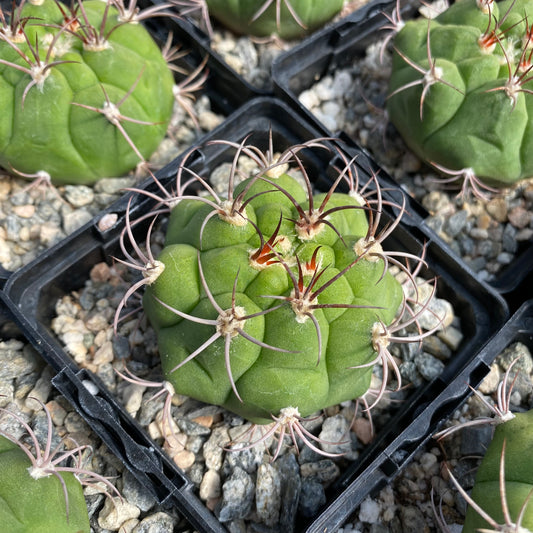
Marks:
<point>31,293</point>
<point>338,47</point>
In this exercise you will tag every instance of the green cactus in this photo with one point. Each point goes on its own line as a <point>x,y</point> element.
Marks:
<point>38,505</point>
<point>277,302</point>
<point>85,91</point>
<point>39,491</point>
<point>289,19</point>
<point>501,497</point>
<point>460,91</point>
<point>512,443</point>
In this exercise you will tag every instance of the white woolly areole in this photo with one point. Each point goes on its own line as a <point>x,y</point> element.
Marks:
<point>301,307</point>
<point>288,415</point>
<point>99,46</point>
<point>278,170</point>
<point>227,214</point>
<point>152,271</point>
<point>380,338</point>
<point>230,321</point>
<point>37,472</point>
<point>368,248</point>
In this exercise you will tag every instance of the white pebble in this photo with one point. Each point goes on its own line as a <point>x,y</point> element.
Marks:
<point>369,511</point>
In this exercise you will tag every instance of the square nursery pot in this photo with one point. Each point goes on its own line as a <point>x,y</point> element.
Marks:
<point>340,46</point>
<point>31,293</point>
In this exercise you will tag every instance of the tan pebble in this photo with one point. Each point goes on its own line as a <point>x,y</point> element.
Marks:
<point>100,272</point>
<point>204,420</point>
<point>104,354</point>
<point>175,443</point>
<point>100,337</point>
<point>129,525</point>
<point>491,380</point>
<point>115,512</point>
<point>24,211</point>
<point>497,208</point>
<point>96,323</point>
<point>483,221</point>
<point>153,431</point>
<point>210,485</point>
<point>184,459</point>
<point>133,395</point>
<point>107,221</point>
<point>57,412</point>
<point>519,217</point>
<point>48,234</point>
<point>5,188</point>
<point>212,503</point>
<point>451,336</point>
<point>363,430</point>
<point>24,234</point>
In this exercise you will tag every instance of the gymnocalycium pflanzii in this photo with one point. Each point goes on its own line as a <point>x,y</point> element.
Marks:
<point>460,91</point>
<point>40,491</point>
<point>275,301</point>
<point>86,92</point>
<point>288,19</point>
<point>501,498</point>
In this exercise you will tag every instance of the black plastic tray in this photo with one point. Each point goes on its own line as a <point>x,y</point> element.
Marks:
<point>32,291</point>
<point>337,47</point>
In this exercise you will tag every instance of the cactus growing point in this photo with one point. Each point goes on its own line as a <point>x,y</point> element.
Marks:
<point>274,302</point>
<point>86,92</point>
<point>460,92</point>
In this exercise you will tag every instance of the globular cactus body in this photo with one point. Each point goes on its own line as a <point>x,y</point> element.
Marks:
<point>459,92</point>
<point>287,18</point>
<point>278,316</point>
<point>113,66</point>
<point>512,442</point>
<point>30,505</point>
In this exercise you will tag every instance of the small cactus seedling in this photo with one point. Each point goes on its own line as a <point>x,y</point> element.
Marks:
<point>85,90</point>
<point>460,92</point>
<point>501,498</point>
<point>289,19</point>
<point>274,301</point>
<point>39,491</point>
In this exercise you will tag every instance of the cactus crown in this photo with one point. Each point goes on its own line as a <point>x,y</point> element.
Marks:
<point>276,301</point>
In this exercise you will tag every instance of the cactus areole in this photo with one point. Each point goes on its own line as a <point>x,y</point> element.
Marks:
<point>85,92</point>
<point>289,19</point>
<point>460,90</point>
<point>265,306</point>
